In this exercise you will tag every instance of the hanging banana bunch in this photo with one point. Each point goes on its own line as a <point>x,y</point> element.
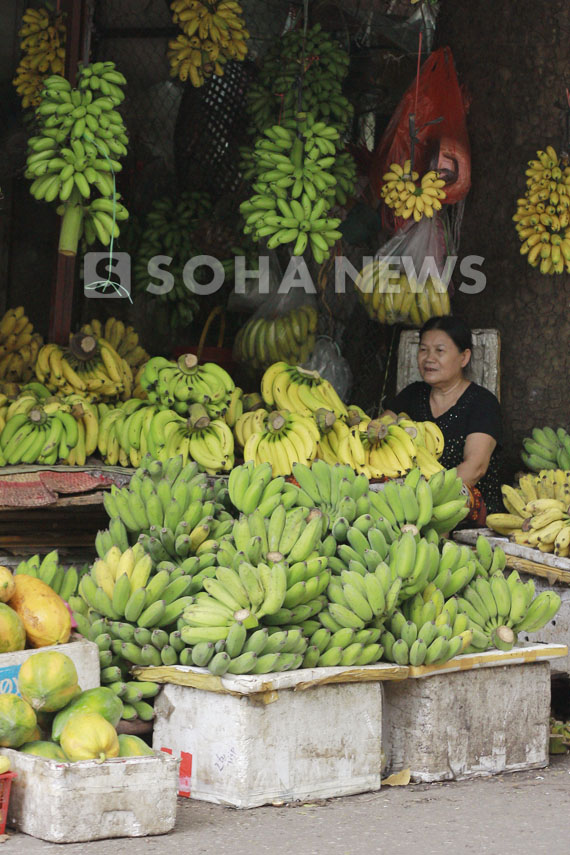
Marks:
<point>43,52</point>
<point>402,301</point>
<point>402,192</point>
<point>543,214</point>
<point>73,157</point>
<point>213,33</point>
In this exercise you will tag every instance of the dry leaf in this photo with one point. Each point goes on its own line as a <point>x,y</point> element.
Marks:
<point>398,779</point>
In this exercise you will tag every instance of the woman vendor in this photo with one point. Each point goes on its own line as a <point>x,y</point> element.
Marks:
<point>467,414</point>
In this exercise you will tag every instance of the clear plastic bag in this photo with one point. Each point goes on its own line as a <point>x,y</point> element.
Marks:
<point>283,328</point>
<point>331,365</point>
<point>408,280</point>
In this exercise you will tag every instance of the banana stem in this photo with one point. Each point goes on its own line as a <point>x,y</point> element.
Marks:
<point>198,418</point>
<point>275,421</point>
<point>70,229</point>
<point>187,363</point>
<point>376,431</point>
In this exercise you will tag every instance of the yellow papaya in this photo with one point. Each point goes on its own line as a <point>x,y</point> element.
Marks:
<point>17,721</point>
<point>12,631</point>
<point>133,746</point>
<point>89,736</point>
<point>48,680</point>
<point>42,748</point>
<point>101,700</point>
<point>45,616</point>
<point>7,584</point>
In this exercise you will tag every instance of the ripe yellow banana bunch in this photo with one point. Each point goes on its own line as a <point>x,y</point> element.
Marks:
<point>249,423</point>
<point>213,34</point>
<point>299,390</point>
<point>19,346</point>
<point>401,191</point>
<point>538,512</point>
<point>89,366</point>
<point>543,214</point>
<point>288,338</point>
<point>43,52</point>
<point>283,438</point>
<point>391,300</point>
<point>123,339</point>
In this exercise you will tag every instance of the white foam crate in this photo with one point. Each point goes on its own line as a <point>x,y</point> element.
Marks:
<point>478,715</point>
<point>278,737</point>
<point>83,653</point>
<point>77,802</point>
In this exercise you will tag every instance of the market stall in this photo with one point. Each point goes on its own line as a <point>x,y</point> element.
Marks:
<point>208,549</point>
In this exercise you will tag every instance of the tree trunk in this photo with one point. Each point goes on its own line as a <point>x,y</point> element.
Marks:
<point>513,59</point>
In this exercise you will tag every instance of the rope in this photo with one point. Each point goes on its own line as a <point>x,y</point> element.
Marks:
<point>387,369</point>
<point>103,284</point>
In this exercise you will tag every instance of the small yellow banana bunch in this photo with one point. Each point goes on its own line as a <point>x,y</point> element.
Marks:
<point>402,192</point>
<point>43,52</point>
<point>89,366</point>
<point>19,346</point>
<point>124,339</point>
<point>213,34</point>
<point>543,213</point>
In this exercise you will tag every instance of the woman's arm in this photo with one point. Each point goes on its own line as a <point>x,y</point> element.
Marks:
<point>476,456</point>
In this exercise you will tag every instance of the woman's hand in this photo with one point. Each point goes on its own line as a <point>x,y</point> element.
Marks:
<point>476,456</point>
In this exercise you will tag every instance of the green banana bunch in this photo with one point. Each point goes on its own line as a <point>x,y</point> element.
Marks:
<point>499,608</point>
<point>42,431</point>
<point>275,93</point>
<point>293,187</point>
<point>170,228</point>
<point>75,155</point>
<point>547,448</point>
<point>169,509</point>
<point>252,487</point>
<point>63,581</point>
<point>180,384</point>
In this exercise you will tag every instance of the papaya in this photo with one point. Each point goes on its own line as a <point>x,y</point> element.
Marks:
<point>7,584</point>
<point>48,680</point>
<point>17,721</point>
<point>12,630</point>
<point>4,764</point>
<point>133,746</point>
<point>89,736</point>
<point>45,616</point>
<point>42,748</point>
<point>101,700</point>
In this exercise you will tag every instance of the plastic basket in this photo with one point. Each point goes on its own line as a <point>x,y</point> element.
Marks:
<point>220,355</point>
<point>5,787</point>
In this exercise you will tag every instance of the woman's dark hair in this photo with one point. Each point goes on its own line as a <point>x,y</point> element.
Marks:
<point>456,329</point>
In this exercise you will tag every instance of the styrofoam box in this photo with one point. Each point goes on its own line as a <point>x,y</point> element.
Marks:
<point>252,749</point>
<point>84,654</point>
<point>74,802</point>
<point>467,724</point>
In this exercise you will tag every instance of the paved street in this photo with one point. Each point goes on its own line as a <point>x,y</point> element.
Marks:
<point>526,812</point>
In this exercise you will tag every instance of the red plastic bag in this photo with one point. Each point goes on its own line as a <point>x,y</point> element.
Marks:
<point>443,146</point>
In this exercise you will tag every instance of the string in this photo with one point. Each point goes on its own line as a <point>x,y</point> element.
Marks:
<point>387,370</point>
<point>103,284</point>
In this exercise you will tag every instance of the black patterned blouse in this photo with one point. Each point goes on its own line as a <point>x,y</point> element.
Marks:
<point>476,411</point>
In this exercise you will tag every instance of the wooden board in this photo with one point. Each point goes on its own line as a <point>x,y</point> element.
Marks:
<point>522,558</point>
<point>484,367</point>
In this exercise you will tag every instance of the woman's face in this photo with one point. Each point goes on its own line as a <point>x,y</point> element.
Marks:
<point>439,358</point>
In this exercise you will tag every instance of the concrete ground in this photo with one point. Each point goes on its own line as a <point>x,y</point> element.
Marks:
<point>526,812</point>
